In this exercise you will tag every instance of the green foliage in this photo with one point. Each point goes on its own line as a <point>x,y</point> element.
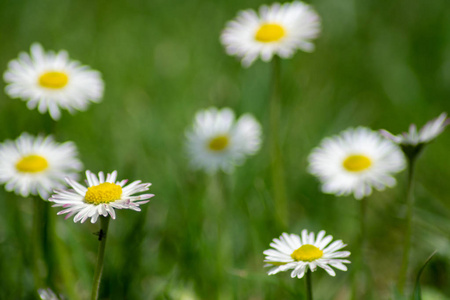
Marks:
<point>417,291</point>
<point>382,64</point>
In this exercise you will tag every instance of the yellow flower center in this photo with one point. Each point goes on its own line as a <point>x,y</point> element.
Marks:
<point>357,163</point>
<point>219,143</point>
<point>32,164</point>
<point>53,80</point>
<point>270,32</point>
<point>103,193</point>
<point>307,253</point>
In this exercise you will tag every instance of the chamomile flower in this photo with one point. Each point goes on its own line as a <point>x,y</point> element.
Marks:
<point>37,165</point>
<point>425,135</point>
<point>279,29</point>
<point>47,294</point>
<point>356,161</point>
<point>218,141</point>
<point>291,251</point>
<point>100,197</point>
<point>50,82</point>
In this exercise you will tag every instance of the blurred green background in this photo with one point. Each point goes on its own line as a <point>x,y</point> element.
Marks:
<point>379,63</point>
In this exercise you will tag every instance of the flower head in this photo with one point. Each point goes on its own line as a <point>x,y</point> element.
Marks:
<point>36,165</point>
<point>47,294</point>
<point>355,161</point>
<point>100,197</point>
<point>279,29</point>
<point>291,251</point>
<point>50,81</point>
<point>217,141</point>
<point>413,140</point>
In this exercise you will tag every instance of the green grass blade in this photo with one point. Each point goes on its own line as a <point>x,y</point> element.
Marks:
<point>417,295</point>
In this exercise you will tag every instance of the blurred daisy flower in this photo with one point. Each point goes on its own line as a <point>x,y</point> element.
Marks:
<point>47,294</point>
<point>218,141</point>
<point>412,141</point>
<point>279,29</point>
<point>37,165</point>
<point>50,81</point>
<point>100,197</point>
<point>291,251</point>
<point>355,161</point>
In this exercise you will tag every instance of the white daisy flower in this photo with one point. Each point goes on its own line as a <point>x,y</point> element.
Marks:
<point>37,165</point>
<point>217,141</point>
<point>306,252</point>
<point>50,81</point>
<point>355,161</point>
<point>47,294</point>
<point>425,135</point>
<point>100,197</point>
<point>279,29</point>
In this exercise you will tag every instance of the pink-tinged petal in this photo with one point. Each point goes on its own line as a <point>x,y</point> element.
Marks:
<point>123,182</point>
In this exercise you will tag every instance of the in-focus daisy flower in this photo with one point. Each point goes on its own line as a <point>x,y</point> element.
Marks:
<point>425,135</point>
<point>100,197</point>
<point>355,161</point>
<point>280,29</point>
<point>291,251</point>
<point>218,141</point>
<point>37,165</point>
<point>50,81</point>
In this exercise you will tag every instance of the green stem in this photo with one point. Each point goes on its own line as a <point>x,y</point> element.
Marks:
<point>222,249</point>
<point>21,244</point>
<point>409,216</point>
<point>363,229</point>
<point>219,219</point>
<point>47,237</point>
<point>278,183</point>
<point>308,284</point>
<point>104,222</point>
<point>363,240</point>
<point>360,271</point>
<point>39,267</point>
